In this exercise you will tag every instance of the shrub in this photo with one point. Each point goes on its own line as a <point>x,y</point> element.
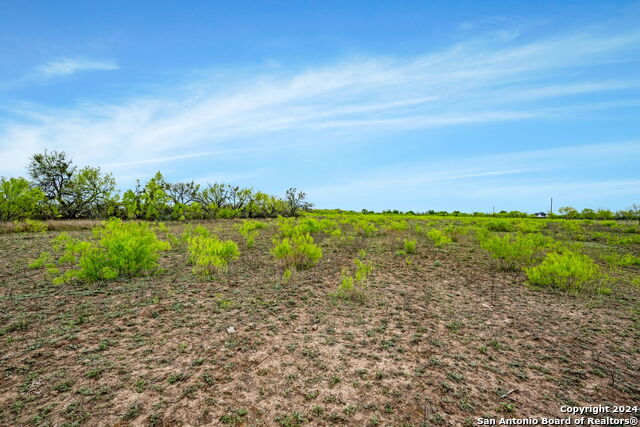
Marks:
<point>397,226</point>
<point>455,232</point>
<point>499,225</point>
<point>516,250</point>
<point>573,227</point>
<point>529,226</point>
<point>286,275</point>
<point>409,246</point>
<point>567,271</point>
<point>622,260</point>
<point>249,230</point>
<point>438,238</point>
<point>288,226</point>
<point>297,251</point>
<point>19,200</point>
<point>309,225</point>
<point>30,225</point>
<point>210,255</point>
<point>43,260</point>
<point>123,249</point>
<point>365,228</point>
<point>353,286</point>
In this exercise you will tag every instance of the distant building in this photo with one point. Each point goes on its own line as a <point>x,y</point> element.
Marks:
<point>540,215</point>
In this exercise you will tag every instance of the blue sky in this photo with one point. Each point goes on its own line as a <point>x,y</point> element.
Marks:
<point>408,105</point>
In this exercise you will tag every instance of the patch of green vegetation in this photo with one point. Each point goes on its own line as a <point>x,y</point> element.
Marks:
<point>297,251</point>
<point>124,249</point>
<point>438,238</point>
<point>210,255</point>
<point>249,230</point>
<point>353,286</point>
<point>567,271</point>
<point>517,250</point>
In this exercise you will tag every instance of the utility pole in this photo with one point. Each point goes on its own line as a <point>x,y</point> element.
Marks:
<point>551,210</point>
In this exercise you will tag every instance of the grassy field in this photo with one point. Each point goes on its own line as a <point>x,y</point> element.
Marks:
<point>440,333</point>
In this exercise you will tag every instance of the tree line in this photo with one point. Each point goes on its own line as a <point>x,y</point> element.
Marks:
<point>566,212</point>
<point>56,188</point>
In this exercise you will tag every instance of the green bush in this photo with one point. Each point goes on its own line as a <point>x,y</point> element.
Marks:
<point>365,228</point>
<point>408,247</point>
<point>210,255</point>
<point>455,232</point>
<point>622,260</point>
<point>529,226</point>
<point>309,225</point>
<point>30,226</point>
<point>352,286</point>
<point>516,250</point>
<point>249,230</point>
<point>123,249</point>
<point>567,271</point>
<point>289,227</point>
<point>397,226</point>
<point>19,200</point>
<point>438,238</point>
<point>297,251</point>
<point>499,225</point>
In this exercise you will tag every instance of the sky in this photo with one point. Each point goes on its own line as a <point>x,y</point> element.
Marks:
<point>407,105</point>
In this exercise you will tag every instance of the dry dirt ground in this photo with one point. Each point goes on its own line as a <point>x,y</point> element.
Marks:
<point>438,341</point>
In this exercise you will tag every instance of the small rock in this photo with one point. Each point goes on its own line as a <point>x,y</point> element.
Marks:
<point>231,330</point>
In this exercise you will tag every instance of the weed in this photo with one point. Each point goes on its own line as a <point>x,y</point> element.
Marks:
<point>622,260</point>
<point>286,275</point>
<point>516,250</point>
<point>174,378</point>
<point>30,226</point>
<point>249,230</point>
<point>365,228</point>
<point>290,420</point>
<point>353,286</point>
<point>409,246</point>
<point>124,249</point>
<point>438,238</point>
<point>63,386</point>
<point>234,417</point>
<point>210,255</point>
<point>132,412</point>
<point>499,225</point>
<point>567,271</point>
<point>297,251</point>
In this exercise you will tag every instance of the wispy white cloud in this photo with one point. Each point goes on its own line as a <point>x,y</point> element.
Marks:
<point>481,22</point>
<point>483,80</point>
<point>58,68</point>
<point>69,66</point>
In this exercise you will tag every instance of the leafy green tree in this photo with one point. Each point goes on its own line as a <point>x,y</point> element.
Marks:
<point>568,212</point>
<point>296,202</point>
<point>89,194</point>
<point>183,193</point>
<point>183,197</point>
<point>213,198</point>
<point>239,197</point>
<point>75,193</point>
<point>154,200</point>
<point>52,173</point>
<point>634,211</point>
<point>587,213</point>
<point>604,214</point>
<point>19,199</point>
